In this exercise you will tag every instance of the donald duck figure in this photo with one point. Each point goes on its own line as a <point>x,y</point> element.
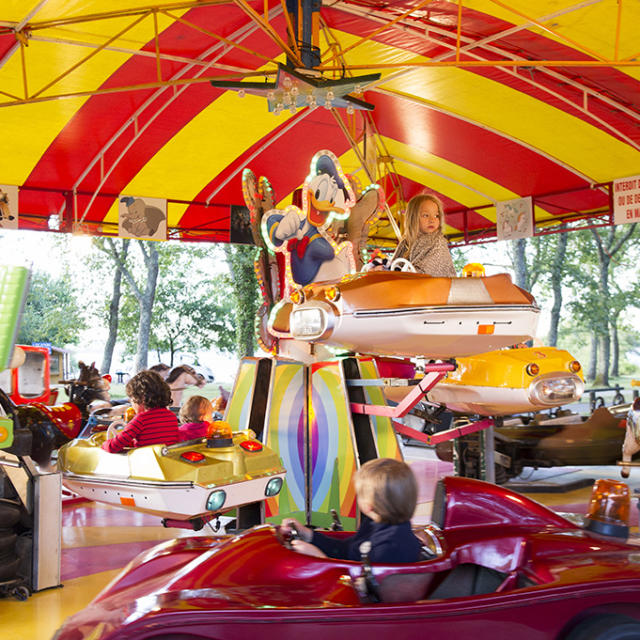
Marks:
<point>312,254</point>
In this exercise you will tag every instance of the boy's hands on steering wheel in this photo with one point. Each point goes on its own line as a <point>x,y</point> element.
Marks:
<point>292,529</point>
<point>299,538</point>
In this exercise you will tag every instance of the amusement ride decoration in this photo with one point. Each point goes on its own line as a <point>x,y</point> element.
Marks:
<point>299,83</point>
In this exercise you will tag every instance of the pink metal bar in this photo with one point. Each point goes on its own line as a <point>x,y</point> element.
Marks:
<point>410,400</point>
<point>443,436</point>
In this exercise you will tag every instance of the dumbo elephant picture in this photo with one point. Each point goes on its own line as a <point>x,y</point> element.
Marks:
<point>142,218</point>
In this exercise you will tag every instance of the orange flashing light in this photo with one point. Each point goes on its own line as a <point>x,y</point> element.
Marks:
<point>575,366</point>
<point>221,429</point>
<point>609,508</point>
<point>127,502</point>
<point>485,329</point>
<point>473,270</point>
<point>251,445</point>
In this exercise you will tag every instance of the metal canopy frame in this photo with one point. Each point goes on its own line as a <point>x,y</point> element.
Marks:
<point>463,51</point>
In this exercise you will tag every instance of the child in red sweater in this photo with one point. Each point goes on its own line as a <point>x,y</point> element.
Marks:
<point>153,423</point>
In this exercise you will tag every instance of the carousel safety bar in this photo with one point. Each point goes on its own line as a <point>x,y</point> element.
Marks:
<point>434,371</point>
<point>442,436</point>
<point>9,463</point>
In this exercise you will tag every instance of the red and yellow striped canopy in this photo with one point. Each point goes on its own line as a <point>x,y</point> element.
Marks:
<point>479,101</point>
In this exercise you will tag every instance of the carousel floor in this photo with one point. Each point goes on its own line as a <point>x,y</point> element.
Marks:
<point>98,541</point>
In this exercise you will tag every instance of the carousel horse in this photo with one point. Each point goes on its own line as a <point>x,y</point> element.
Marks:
<point>40,429</point>
<point>161,369</point>
<point>631,444</point>
<point>88,388</point>
<point>219,404</point>
<point>180,378</point>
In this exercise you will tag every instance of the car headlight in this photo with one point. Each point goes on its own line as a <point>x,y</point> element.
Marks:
<point>273,487</point>
<point>556,390</point>
<point>216,500</point>
<point>308,323</point>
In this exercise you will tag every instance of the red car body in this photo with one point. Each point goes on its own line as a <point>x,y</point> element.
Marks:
<point>504,566</point>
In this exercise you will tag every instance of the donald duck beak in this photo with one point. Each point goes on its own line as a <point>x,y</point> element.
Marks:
<point>320,209</point>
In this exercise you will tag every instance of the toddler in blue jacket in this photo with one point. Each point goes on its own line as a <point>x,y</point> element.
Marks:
<point>387,492</point>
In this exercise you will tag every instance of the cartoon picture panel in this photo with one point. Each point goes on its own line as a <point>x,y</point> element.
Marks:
<point>142,218</point>
<point>8,206</point>
<point>240,225</point>
<point>514,219</point>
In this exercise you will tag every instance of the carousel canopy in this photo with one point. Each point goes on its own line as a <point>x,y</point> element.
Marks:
<point>478,101</point>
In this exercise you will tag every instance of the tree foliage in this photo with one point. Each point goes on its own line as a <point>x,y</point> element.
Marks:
<point>142,282</point>
<point>51,313</point>
<point>588,281</point>
<point>192,310</point>
<point>244,287</point>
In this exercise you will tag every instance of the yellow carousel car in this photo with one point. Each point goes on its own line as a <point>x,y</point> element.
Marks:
<point>187,480</point>
<point>511,381</point>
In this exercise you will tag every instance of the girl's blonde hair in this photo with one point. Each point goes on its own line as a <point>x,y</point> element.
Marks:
<point>390,487</point>
<point>195,409</point>
<point>412,216</point>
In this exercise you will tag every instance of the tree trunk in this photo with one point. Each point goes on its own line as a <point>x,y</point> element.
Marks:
<point>615,348</point>
<point>145,302</point>
<point>556,287</point>
<point>520,263</point>
<point>593,357</point>
<point>245,291</point>
<point>114,308</point>
<point>606,251</point>
<point>606,358</point>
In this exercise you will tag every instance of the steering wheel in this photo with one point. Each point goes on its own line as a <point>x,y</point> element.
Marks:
<point>97,439</point>
<point>402,264</point>
<point>113,427</point>
<point>286,539</point>
<point>367,267</point>
<point>431,542</point>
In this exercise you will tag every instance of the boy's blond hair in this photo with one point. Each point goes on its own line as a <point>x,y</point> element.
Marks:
<point>195,409</point>
<point>391,488</point>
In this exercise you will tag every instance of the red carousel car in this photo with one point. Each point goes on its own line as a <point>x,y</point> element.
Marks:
<point>499,566</point>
